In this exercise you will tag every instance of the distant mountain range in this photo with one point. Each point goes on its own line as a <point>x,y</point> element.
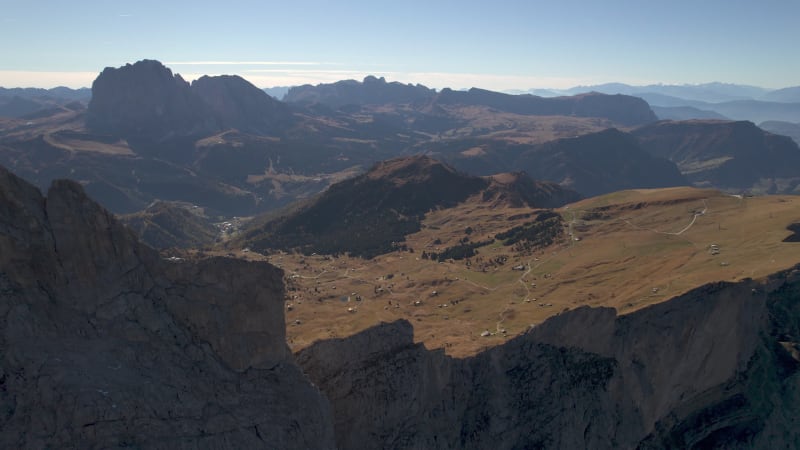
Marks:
<point>715,92</point>
<point>592,164</point>
<point>622,109</point>
<point>725,154</point>
<point>224,145</point>
<point>705,101</point>
<point>785,128</point>
<point>673,102</point>
<point>34,102</point>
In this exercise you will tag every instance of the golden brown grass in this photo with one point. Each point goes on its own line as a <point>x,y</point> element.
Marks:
<point>634,249</point>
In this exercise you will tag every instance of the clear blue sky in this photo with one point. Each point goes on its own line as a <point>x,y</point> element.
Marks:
<point>491,44</point>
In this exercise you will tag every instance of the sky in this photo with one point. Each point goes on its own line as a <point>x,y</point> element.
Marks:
<point>499,45</point>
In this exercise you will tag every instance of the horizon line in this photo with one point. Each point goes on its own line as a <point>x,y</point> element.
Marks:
<point>11,79</point>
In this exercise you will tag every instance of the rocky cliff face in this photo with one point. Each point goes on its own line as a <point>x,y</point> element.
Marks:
<point>235,103</point>
<point>715,368</point>
<point>146,100</point>
<point>103,344</point>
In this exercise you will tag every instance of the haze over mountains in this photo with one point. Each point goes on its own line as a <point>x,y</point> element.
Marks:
<point>227,146</point>
<point>708,101</point>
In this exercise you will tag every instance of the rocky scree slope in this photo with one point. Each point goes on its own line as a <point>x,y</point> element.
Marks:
<point>103,344</point>
<point>714,368</point>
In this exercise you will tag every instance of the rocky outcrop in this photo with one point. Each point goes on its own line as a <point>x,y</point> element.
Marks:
<point>104,344</point>
<point>145,100</point>
<point>235,103</point>
<point>714,368</point>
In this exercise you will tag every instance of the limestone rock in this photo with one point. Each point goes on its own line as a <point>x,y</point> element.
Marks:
<point>235,103</point>
<point>145,100</point>
<point>103,344</point>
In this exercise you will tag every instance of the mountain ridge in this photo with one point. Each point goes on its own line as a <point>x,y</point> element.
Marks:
<point>372,213</point>
<point>725,154</point>
<point>104,344</point>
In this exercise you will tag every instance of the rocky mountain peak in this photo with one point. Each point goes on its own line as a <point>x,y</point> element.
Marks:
<point>144,99</point>
<point>104,344</point>
<point>236,103</point>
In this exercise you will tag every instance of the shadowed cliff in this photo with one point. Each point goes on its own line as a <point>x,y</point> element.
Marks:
<point>714,368</point>
<point>103,344</point>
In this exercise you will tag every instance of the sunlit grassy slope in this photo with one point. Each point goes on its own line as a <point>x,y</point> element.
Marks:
<point>626,250</point>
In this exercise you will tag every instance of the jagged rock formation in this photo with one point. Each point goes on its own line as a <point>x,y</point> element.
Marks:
<point>103,344</point>
<point>725,154</point>
<point>145,100</point>
<point>235,103</point>
<point>714,368</point>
